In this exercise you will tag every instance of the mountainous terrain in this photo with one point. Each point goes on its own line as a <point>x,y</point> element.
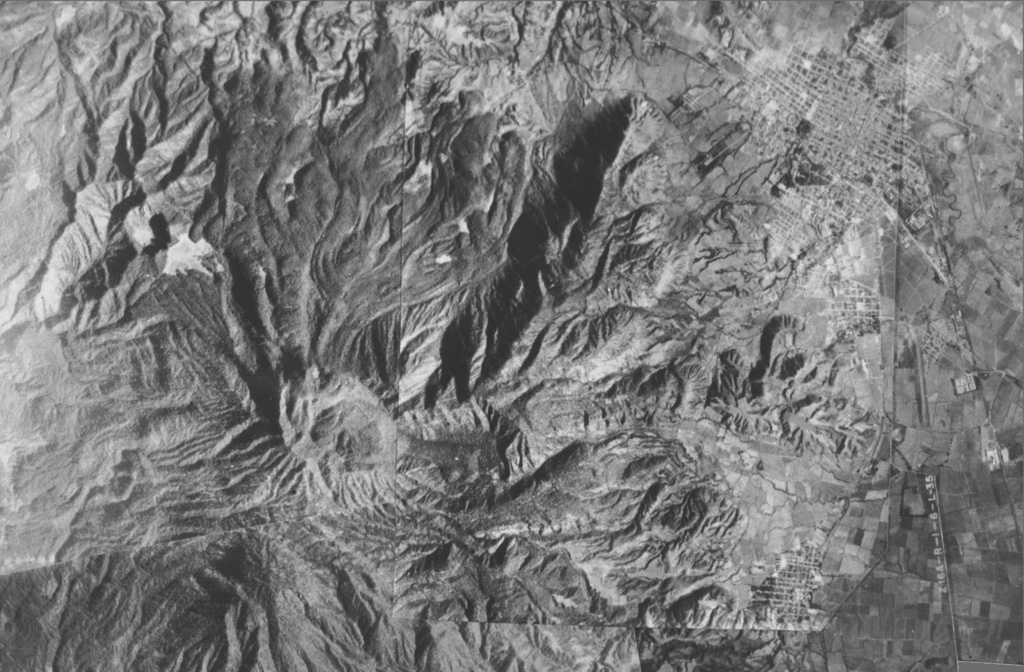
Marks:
<point>505,335</point>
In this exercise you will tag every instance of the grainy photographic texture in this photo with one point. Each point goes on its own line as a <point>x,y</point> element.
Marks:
<point>511,336</point>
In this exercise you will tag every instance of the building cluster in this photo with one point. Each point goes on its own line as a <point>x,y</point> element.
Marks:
<point>992,454</point>
<point>884,63</point>
<point>815,100</point>
<point>839,267</point>
<point>853,310</point>
<point>896,70</point>
<point>921,218</point>
<point>787,593</point>
<point>846,118</point>
<point>935,339</point>
<point>965,384</point>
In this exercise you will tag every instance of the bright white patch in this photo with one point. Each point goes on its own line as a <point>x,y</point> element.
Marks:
<point>138,228</point>
<point>463,226</point>
<point>456,33</point>
<point>186,255</point>
<point>415,120</point>
<point>463,36</point>
<point>421,178</point>
<point>8,452</point>
<point>1009,32</point>
<point>32,182</point>
<point>438,21</point>
<point>443,259</point>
